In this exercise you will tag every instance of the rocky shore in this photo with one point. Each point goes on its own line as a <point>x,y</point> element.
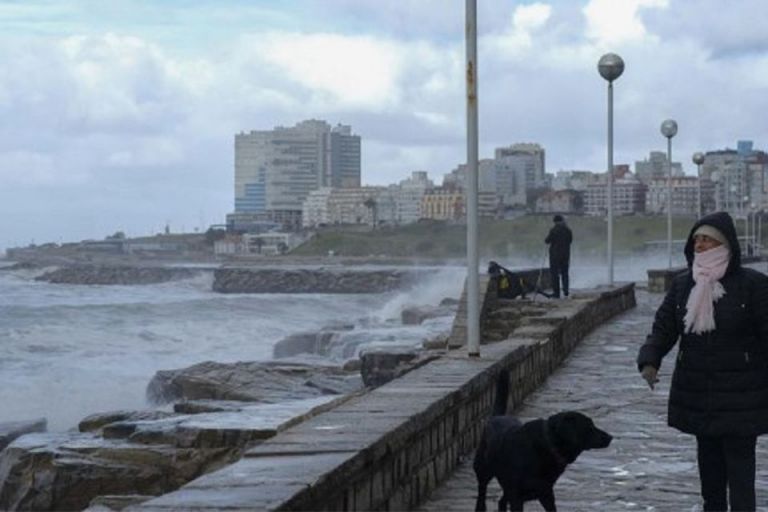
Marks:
<point>321,280</point>
<point>116,275</point>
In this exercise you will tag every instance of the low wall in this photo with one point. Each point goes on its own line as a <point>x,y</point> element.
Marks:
<point>389,448</point>
<point>321,280</point>
<point>534,278</point>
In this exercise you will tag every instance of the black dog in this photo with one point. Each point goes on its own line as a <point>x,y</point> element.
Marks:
<point>510,285</point>
<point>527,459</point>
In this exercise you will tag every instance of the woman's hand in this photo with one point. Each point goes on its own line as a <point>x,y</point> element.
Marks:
<point>649,374</point>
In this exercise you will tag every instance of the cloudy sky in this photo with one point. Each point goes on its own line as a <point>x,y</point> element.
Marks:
<point>120,114</point>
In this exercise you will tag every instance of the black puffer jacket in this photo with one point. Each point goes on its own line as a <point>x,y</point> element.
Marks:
<point>559,240</point>
<point>720,382</point>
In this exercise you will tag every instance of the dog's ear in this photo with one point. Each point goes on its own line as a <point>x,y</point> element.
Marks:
<point>572,430</point>
<point>577,432</point>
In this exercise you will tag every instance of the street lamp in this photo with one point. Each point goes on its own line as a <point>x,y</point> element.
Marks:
<point>610,66</point>
<point>698,159</point>
<point>669,130</point>
<point>473,279</point>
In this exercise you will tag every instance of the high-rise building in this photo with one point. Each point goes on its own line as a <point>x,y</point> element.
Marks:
<point>655,166</point>
<point>520,168</point>
<point>739,176</point>
<point>276,169</point>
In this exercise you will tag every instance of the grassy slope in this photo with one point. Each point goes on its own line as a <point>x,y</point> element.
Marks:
<point>522,237</point>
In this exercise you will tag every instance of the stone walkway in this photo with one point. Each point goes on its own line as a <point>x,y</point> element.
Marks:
<point>649,466</point>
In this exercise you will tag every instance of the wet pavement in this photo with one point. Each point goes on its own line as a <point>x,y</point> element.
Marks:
<point>649,466</point>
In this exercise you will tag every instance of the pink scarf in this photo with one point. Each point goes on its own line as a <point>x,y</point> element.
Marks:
<point>708,268</point>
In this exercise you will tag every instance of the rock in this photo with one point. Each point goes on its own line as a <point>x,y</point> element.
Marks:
<point>352,365</point>
<point>99,420</point>
<point>323,280</point>
<point>450,301</point>
<point>379,366</point>
<point>112,503</point>
<point>66,471</point>
<point>203,406</point>
<point>438,342</point>
<point>11,430</point>
<point>277,381</point>
<point>115,275</point>
<point>303,343</point>
<point>415,315</point>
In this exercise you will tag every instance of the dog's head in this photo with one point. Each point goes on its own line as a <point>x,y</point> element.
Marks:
<point>574,432</point>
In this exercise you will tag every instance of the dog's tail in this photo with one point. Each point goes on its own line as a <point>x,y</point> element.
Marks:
<point>502,393</point>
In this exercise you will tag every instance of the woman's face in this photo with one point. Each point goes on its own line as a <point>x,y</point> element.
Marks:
<point>703,243</point>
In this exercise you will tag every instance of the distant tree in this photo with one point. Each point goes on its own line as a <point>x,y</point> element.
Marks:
<point>371,204</point>
<point>119,235</point>
<point>282,247</point>
<point>212,235</point>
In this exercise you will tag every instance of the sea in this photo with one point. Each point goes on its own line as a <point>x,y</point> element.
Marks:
<point>68,351</point>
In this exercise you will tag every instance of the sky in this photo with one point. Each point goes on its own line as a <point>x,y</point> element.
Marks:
<point>120,115</point>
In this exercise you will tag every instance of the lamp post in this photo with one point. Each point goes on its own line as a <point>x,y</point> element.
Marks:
<point>698,159</point>
<point>610,66</point>
<point>473,279</point>
<point>669,130</point>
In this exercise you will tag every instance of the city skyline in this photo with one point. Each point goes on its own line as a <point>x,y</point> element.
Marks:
<point>119,115</point>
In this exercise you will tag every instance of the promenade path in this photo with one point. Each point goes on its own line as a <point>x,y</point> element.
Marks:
<point>649,466</point>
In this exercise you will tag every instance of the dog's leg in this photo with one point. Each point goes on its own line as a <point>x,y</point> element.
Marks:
<point>547,500</point>
<point>510,501</point>
<point>482,485</point>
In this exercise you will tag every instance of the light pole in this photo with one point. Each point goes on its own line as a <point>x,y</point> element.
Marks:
<point>698,159</point>
<point>473,279</point>
<point>610,66</point>
<point>669,130</point>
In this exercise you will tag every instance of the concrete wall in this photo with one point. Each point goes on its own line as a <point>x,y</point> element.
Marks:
<point>387,449</point>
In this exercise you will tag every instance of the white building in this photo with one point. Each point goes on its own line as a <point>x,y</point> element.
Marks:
<point>628,196</point>
<point>408,195</point>
<point>655,166</point>
<point>362,205</point>
<point>519,169</point>
<point>275,170</point>
<point>685,191</point>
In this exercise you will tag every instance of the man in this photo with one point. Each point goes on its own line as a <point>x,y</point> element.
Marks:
<point>559,240</point>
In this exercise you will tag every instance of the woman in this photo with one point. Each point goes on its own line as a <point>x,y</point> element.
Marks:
<point>719,391</point>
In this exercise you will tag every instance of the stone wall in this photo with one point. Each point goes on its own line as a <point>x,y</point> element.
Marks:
<point>322,280</point>
<point>116,274</point>
<point>536,278</point>
<point>389,448</point>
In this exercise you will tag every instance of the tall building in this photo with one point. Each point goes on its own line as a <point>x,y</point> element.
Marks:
<point>655,166</point>
<point>276,169</point>
<point>739,176</point>
<point>519,169</point>
<point>628,196</point>
<point>685,193</point>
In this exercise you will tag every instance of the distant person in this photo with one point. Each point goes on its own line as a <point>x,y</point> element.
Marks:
<point>559,240</point>
<point>719,393</point>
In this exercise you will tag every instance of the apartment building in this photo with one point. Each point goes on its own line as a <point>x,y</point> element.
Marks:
<point>275,170</point>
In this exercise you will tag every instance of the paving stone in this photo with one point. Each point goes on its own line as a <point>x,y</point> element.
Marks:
<point>649,466</point>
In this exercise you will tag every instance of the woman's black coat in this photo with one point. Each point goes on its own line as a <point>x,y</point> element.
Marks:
<point>720,382</point>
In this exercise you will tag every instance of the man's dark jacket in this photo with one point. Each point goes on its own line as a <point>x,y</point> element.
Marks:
<point>720,382</point>
<point>559,240</point>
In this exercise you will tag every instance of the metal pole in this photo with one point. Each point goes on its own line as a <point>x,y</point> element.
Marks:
<point>610,66</point>
<point>609,199</point>
<point>698,191</point>
<point>473,281</point>
<point>669,200</point>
